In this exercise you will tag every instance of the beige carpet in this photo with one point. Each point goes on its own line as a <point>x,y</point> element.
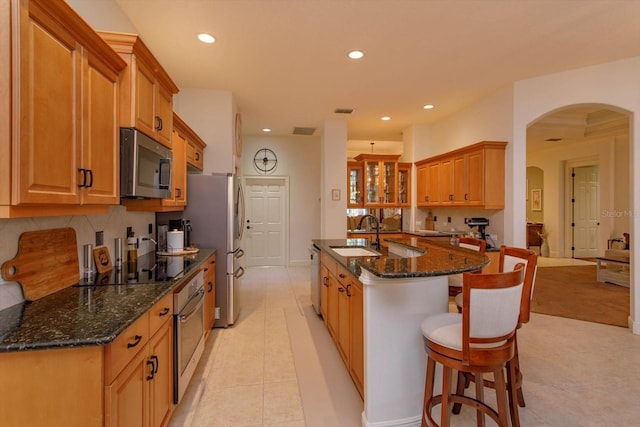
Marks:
<point>573,292</point>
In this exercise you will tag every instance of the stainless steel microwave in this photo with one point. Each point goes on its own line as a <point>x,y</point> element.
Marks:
<point>145,166</point>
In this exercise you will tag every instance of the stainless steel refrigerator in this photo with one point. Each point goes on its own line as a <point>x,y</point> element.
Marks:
<point>215,207</point>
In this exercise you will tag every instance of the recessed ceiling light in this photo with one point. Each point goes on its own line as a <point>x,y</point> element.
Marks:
<point>428,107</point>
<point>206,38</point>
<point>356,54</point>
<point>385,118</point>
<point>266,130</point>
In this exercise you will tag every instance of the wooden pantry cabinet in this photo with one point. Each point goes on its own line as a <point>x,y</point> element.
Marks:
<point>59,144</point>
<point>472,176</point>
<point>146,91</point>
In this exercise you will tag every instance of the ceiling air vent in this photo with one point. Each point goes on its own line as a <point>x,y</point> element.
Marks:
<point>343,111</point>
<point>303,131</point>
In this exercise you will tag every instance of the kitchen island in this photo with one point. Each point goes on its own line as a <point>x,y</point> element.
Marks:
<point>401,284</point>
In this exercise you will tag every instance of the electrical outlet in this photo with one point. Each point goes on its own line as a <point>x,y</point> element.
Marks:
<point>449,219</point>
<point>150,228</point>
<point>99,238</point>
<point>217,313</point>
<point>435,218</point>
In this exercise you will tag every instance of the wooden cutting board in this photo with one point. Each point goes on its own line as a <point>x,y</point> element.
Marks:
<point>47,261</point>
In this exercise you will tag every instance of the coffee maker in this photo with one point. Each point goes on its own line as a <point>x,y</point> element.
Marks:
<point>481,223</point>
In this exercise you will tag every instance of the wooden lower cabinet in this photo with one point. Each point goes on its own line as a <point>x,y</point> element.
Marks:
<point>341,306</point>
<point>210,296</point>
<point>142,393</point>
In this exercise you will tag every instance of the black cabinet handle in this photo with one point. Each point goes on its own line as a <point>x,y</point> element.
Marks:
<point>210,287</point>
<point>340,289</point>
<point>84,177</point>
<point>164,312</point>
<point>156,363</point>
<point>197,156</point>
<point>90,172</point>
<point>158,123</point>
<point>152,373</point>
<point>325,281</point>
<point>348,293</point>
<point>342,276</point>
<point>135,342</point>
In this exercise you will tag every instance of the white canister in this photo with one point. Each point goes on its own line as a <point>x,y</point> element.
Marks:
<point>175,241</point>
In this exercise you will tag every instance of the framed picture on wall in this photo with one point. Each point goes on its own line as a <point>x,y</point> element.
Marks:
<point>536,199</point>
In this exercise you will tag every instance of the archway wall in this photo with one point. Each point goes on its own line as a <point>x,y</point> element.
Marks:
<point>616,84</point>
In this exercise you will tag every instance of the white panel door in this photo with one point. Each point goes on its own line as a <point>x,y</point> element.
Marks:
<point>265,222</point>
<point>585,212</point>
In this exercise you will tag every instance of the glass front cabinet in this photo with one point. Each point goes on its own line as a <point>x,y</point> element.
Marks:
<point>380,179</point>
<point>354,184</point>
<point>404,184</point>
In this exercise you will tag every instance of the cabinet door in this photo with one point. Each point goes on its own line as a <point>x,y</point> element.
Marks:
<point>179,173</point>
<point>433,184</point>
<point>475,178</point>
<point>404,185</point>
<point>164,116</point>
<point>356,316</point>
<point>161,385</point>
<point>332,308</point>
<point>324,292</point>
<point>344,324</point>
<point>422,181</point>
<point>145,93</point>
<point>127,398</point>
<point>354,184</point>
<point>389,183</point>
<point>460,180</point>
<point>48,155</point>
<point>371,183</point>
<point>210,297</point>
<point>101,148</point>
<point>446,181</point>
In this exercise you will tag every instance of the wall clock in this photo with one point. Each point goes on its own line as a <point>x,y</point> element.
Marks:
<point>265,160</point>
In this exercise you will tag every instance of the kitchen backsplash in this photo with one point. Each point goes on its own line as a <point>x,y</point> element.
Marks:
<point>113,224</point>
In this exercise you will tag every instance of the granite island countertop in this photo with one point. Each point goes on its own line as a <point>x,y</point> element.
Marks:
<point>88,313</point>
<point>434,258</point>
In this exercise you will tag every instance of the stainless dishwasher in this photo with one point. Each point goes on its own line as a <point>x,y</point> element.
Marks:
<point>314,254</point>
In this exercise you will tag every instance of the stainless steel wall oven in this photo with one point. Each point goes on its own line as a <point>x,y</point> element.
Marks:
<point>188,305</point>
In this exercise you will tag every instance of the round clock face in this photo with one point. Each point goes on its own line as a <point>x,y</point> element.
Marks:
<point>238,135</point>
<point>265,160</point>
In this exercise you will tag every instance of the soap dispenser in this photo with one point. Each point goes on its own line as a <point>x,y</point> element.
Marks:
<point>132,246</point>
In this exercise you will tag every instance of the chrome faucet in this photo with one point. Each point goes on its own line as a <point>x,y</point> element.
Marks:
<point>377,242</point>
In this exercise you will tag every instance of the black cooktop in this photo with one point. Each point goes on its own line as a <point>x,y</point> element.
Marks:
<point>149,269</point>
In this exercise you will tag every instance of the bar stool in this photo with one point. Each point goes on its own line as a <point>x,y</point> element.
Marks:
<point>479,340</point>
<point>510,257</point>
<point>455,280</point>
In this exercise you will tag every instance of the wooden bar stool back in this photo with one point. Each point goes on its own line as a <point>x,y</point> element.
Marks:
<point>455,280</point>
<point>479,340</point>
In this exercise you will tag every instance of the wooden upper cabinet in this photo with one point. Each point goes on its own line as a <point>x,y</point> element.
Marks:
<point>146,91</point>
<point>195,145</point>
<point>472,176</point>
<point>64,104</point>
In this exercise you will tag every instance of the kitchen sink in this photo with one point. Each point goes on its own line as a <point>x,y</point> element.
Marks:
<point>354,251</point>
<point>405,251</point>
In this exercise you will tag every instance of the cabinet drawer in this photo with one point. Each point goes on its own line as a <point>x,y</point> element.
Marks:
<point>329,263</point>
<point>160,313</point>
<point>125,346</point>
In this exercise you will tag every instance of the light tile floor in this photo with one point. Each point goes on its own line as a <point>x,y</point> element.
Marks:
<point>576,373</point>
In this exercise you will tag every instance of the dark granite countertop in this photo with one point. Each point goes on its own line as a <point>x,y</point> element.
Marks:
<point>91,313</point>
<point>438,258</point>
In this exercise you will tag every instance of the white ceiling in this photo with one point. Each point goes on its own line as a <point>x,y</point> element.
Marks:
<point>285,60</point>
